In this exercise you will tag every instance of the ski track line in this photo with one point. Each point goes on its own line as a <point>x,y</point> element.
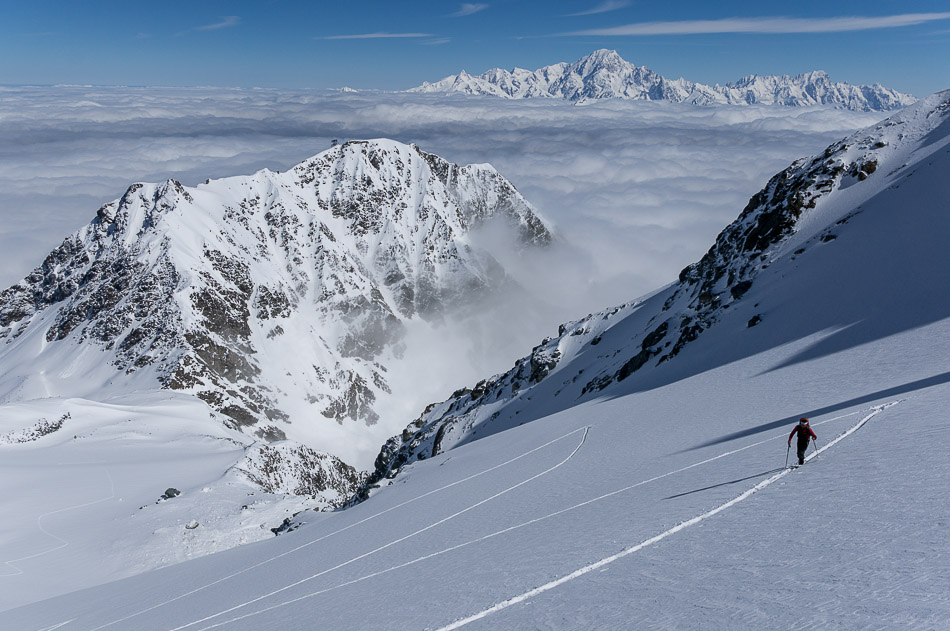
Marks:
<point>507,530</point>
<point>62,542</point>
<point>686,524</point>
<point>336,532</point>
<point>586,430</point>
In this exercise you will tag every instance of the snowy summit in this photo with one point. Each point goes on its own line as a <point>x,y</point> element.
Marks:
<point>603,74</point>
<point>279,299</point>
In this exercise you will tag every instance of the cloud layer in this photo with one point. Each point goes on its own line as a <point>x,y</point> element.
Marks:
<point>637,190</point>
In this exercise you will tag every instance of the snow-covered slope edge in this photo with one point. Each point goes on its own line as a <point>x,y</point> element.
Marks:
<point>279,299</point>
<point>604,74</point>
<point>95,491</point>
<point>635,346</point>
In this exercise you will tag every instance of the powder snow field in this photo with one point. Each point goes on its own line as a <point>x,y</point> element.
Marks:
<point>665,502</point>
<point>854,540</point>
<point>81,503</point>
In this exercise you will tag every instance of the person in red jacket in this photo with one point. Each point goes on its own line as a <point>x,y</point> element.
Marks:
<point>805,434</point>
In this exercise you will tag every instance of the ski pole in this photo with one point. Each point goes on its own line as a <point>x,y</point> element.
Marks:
<point>815,445</point>
<point>786,455</point>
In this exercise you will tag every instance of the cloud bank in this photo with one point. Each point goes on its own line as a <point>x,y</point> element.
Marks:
<point>636,190</point>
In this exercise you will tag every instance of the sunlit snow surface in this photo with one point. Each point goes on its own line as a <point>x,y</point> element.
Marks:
<point>544,525</point>
<point>863,525</point>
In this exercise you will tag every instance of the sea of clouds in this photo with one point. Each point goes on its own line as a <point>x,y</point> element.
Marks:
<point>636,190</point>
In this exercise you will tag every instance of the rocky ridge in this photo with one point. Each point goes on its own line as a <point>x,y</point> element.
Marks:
<point>605,75</point>
<point>589,356</point>
<point>289,468</point>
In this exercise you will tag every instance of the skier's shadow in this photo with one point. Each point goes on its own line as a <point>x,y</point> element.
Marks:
<point>868,398</point>
<point>706,488</point>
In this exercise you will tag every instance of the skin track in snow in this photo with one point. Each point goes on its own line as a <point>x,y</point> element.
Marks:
<point>686,524</point>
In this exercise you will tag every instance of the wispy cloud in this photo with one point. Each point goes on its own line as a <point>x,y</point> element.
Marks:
<point>468,8</point>
<point>603,7</point>
<point>768,25</point>
<point>376,36</point>
<point>226,22</point>
<point>437,42</point>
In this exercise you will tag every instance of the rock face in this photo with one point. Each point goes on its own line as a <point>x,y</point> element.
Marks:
<point>40,428</point>
<point>277,298</point>
<point>804,206</point>
<point>605,75</point>
<point>290,468</point>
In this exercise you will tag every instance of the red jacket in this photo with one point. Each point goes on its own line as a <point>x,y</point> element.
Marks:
<point>803,437</point>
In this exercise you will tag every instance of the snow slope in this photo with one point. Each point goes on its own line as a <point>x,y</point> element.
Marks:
<point>603,74</point>
<point>660,499</point>
<point>83,503</point>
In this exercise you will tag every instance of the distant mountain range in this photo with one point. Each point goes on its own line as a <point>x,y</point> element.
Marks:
<point>604,74</point>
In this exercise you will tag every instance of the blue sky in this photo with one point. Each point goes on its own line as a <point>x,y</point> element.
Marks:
<point>396,45</point>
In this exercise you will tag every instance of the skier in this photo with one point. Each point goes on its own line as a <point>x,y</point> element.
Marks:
<point>805,434</point>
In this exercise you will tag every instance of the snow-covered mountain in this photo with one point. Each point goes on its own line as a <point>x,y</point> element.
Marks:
<point>279,299</point>
<point>806,208</point>
<point>605,75</point>
<point>564,493</point>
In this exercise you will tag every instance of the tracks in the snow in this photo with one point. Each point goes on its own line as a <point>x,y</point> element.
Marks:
<point>61,541</point>
<point>445,487</point>
<point>213,623</point>
<point>663,535</point>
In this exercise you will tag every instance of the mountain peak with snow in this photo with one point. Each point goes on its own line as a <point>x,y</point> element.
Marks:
<point>604,74</point>
<point>279,299</point>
